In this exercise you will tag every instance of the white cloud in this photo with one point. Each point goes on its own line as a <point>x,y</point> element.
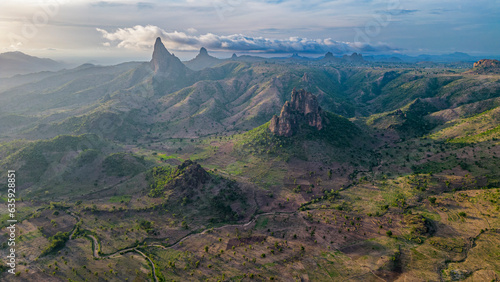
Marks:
<point>192,30</point>
<point>141,37</point>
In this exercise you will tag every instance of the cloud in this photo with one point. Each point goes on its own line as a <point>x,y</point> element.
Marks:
<point>145,5</point>
<point>398,12</point>
<point>439,11</point>
<point>143,37</point>
<point>107,4</point>
<point>192,30</point>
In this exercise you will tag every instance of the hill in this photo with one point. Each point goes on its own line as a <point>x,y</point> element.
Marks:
<point>13,63</point>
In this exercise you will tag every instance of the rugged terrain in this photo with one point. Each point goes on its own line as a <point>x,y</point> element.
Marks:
<point>247,169</point>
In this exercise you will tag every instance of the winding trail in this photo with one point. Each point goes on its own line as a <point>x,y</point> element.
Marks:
<point>152,264</point>
<point>190,235</point>
<point>95,242</point>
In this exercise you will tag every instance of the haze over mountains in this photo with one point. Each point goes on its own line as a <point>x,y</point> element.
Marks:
<point>13,63</point>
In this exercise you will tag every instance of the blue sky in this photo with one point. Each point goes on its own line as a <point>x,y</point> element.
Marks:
<point>120,30</point>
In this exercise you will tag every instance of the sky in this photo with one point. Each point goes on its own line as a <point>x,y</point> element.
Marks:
<point>113,31</point>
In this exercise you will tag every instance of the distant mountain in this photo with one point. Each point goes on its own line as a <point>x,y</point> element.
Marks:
<point>355,57</point>
<point>12,63</point>
<point>445,58</point>
<point>202,61</point>
<point>329,57</point>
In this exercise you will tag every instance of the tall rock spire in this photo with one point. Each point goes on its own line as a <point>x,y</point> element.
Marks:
<point>302,108</point>
<point>165,63</point>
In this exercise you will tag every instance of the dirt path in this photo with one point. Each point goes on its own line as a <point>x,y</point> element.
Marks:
<point>191,235</point>
<point>152,264</point>
<point>96,246</point>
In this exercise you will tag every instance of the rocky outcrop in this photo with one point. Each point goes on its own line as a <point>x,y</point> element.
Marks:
<point>486,63</point>
<point>302,109</point>
<point>165,64</point>
<point>486,66</point>
<point>187,177</point>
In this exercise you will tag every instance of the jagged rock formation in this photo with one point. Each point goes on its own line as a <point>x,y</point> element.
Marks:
<point>234,56</point>
<point>486,66</point>
<point>202,61</point>
<point>303,108</point>
<point>165,64</point>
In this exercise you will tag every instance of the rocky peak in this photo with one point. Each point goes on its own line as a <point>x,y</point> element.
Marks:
<point>188,176</point>
<point>202,60</point>
<point>329,55</point>
<point>234,56</point>
<point>165,63</point>
<point>303,108</point>
<point>203,52</point>
<point>486,66</point>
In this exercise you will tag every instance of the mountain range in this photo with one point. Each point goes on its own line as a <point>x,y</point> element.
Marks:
<point>14,63</point>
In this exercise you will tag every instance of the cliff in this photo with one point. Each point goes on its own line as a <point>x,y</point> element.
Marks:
<point>302,109</point>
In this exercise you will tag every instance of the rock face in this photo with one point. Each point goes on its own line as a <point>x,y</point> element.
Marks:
<point>486,63</point>
<point>166,64</point>
<point>303,108</point>
<point>486,66</point>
